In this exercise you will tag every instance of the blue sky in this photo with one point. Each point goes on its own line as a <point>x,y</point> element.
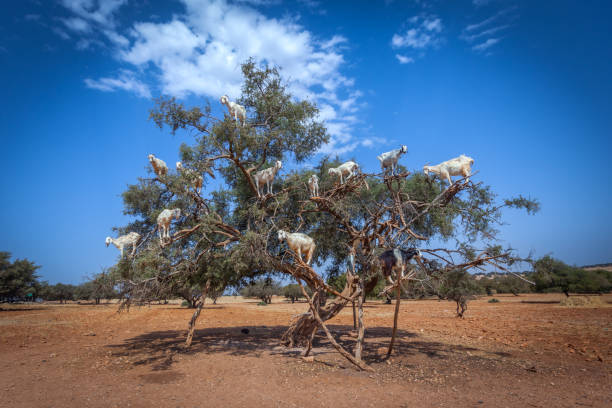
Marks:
<point>523,87</point>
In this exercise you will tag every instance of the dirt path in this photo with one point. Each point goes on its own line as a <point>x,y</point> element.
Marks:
<point>505,354</point>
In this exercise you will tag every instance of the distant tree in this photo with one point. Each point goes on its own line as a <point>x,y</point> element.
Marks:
<point>59,291</point>
<point>459,286</point>
<point>100,286</point>
<point>292,292</point>
<point>216,292</point>
<point>262,289</point>
<point>18,279</point>
<point>553,275</point>
<point>510,284</point>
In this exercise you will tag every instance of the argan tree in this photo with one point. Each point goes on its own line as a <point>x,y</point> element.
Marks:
<point>228,235</point>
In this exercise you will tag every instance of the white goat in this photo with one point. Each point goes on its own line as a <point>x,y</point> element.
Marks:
<point>298,243</point>
<point>163,222</point>
<point>235,110</point>
<point>159,166</point>
<point>389,159</point>
<point>191,175</point>
<point>347,168</point>
<point>313,185</point>
<point>459,166</point>
<point>266,176</point>
<point>129,239</point>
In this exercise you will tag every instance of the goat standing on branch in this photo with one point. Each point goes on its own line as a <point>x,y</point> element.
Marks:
<point>389,159</point>
<point>313,185</point>
<point>459,166</point>
<point>159,166</point>
<point>235,110</point>
<point>266,176</point>
<point>163,222</point>
<point>129,239</point>
<point>191,175</point>
<point>395,260</point>
<point>347,169</point>
<point>298,243</point>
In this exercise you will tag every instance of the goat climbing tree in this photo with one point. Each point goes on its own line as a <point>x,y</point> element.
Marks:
<point>228,235</point>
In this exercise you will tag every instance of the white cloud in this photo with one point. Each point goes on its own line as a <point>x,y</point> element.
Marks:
<point>77,24</point>
<point>423,32</point>
<point>487,44</point>
<point>403,59</point>
<point>199,52</point>
<point>64,35</point>
<point>125,81</point>
<point>91,17</point>
<point>334,41</point>
<point>98,11</point>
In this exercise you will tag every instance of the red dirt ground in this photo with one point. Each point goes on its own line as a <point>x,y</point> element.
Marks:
<point>516,353</point>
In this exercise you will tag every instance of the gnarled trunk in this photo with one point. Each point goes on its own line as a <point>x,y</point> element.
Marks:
<point>301,328</point>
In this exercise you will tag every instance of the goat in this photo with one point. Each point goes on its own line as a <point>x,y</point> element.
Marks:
<point>191,175</point>
<point>395,260</point>
<point>347,168</point>
<point>313,185</point>
<point>298,243</point>
<point>129,239</point>
<point>235,110</point>
<point>389,159</point>
<point>459,166</point>
<point>159,166</point>
<point>266,176</point>
<point>163,222</point>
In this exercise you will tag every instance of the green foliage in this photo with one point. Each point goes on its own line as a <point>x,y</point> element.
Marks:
<point>459,284</point>
<point>59,291</point>
<point>262,289</point>
<point>100,286</point>
<point>552,275</point>
<point>494,300</point>
<point>292,292</point>
<point>18,279</point>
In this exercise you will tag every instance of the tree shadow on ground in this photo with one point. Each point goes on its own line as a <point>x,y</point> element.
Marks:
<point>159,349</point>
<point>22,309</point>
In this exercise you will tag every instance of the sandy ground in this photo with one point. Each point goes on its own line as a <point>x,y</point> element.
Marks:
<point>522,352</point>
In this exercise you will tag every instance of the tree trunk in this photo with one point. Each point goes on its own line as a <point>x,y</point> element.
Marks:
<point>361,335</point>
<point>397,307</point>
<point>301,328</point>
<point>196,314</point>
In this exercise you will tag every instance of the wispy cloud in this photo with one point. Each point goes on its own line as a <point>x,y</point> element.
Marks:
<point>487,31</point>
<point>422,32</point>
<point>403,59</point>
<point>485,45</point>
<point>125,81</point>
<point>92,11</point>
<point>484,33</point>
<point>491,19</point>
<point>90,17</point>
<point>77,24</point>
